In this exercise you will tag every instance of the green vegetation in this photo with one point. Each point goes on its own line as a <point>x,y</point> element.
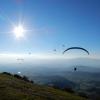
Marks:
<point>67,90</point>
<point>20,88</point>
<point>88,84</point>
<point>85,84</point>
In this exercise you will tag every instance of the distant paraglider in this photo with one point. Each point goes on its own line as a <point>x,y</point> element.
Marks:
<point>76,48</point>
<point>29,54</point>
<point>21,59</point>
<point>63,46</point>
<point>75,69</point>
<point>55,51</point>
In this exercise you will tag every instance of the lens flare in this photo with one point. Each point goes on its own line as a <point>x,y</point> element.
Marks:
<point>18,31</point>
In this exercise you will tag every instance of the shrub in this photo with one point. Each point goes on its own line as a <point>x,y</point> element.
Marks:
<point>32,81</point>
<point>7,73</point>
<point>83,95</point>
<point>17,76</point>
<point>67,90</point>
<point>55,86</point>
<point>25,78</point>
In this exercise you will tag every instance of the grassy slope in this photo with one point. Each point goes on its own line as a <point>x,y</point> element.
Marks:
<point>12,88</point>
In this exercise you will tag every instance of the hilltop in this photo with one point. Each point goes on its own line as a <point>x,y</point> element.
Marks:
<point>12,88</point>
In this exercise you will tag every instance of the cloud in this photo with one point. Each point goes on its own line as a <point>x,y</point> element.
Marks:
<point>3,53</point>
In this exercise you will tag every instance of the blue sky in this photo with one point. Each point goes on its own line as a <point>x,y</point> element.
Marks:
<point>51,24</point>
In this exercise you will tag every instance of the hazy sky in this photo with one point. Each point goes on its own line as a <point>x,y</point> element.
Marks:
<point>49,24</point>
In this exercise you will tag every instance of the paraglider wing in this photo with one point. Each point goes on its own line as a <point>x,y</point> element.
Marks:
<point>63,45</point>
<point>54,49</point>
<point>76,48</point>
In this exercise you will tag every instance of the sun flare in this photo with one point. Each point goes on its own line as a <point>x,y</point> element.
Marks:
<point>18,31</point>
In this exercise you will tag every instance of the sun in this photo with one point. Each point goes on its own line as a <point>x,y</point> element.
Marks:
<point>18,31</point>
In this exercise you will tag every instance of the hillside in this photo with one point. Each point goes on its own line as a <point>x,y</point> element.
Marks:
<point>12,88</point>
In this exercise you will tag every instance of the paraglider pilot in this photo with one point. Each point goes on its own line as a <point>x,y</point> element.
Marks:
<point>75,69</point>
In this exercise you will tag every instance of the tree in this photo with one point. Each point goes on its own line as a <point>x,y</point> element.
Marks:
<point>25,78</point>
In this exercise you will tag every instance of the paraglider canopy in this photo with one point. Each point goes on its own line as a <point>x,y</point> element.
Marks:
<point>29,53</point>
<point>54,49</point>
<point>63,45</point>
<point>76,48</point>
